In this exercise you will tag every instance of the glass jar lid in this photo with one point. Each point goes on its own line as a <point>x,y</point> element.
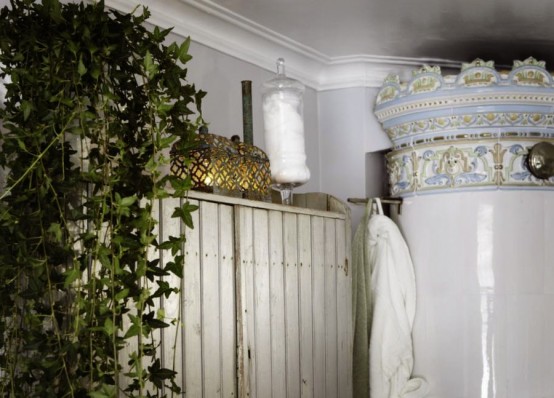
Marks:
<point>281,82</point>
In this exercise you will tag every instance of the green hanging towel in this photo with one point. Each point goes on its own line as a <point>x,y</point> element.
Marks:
<point>361,306</point>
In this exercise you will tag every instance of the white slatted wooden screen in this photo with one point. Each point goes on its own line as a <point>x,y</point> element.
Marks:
<point>266,305</point>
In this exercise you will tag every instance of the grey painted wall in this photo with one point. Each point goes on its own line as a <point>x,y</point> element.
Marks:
<point>349,130</point>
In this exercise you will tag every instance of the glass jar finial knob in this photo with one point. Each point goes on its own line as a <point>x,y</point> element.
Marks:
<point>281,66</point>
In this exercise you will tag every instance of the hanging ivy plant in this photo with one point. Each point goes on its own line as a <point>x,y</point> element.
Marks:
<point>94,101</point>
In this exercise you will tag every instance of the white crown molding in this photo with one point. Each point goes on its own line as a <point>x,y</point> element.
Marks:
<point>214,26</point>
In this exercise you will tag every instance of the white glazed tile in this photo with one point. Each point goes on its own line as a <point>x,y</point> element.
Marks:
<point>437,252</point>
<point>462,272</point>
<point>548,228</point>
<point>525,340</point>
<point>484,260</point>
<point>521,254</point>
<point>437,347</point>
<point>420,337</point>
<point>485,346</point>
<point>547,354</point>
<point>481,271</point>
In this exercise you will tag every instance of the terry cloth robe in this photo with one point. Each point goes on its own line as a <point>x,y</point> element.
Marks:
<point>390,309</point>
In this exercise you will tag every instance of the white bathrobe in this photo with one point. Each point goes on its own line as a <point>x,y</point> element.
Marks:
<point>390,310</point>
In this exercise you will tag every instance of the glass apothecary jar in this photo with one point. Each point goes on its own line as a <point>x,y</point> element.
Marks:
<point>283,103</point>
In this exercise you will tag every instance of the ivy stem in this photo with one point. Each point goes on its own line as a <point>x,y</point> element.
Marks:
<point>51,300</point>
<point>35,162</point>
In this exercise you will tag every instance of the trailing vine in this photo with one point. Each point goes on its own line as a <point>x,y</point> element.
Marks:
<point>94,101</point>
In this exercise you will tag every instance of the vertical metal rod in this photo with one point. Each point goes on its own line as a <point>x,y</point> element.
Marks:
<point>247,129</point>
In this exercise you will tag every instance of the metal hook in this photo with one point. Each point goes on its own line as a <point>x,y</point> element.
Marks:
<point>391,201</point>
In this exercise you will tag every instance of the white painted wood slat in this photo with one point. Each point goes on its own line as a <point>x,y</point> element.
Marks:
<point>318,305</point>
<point>227,302</point>
<point>209,253</point>
<point>306,307</point>
<point>192,311</point>
<point>209,317</point>
<point>344,311</point>
<point>261,287</point>
<point>266,301</point>
<point>277,308</point>
<point>331,350</point>
<point>246,344</point>
<point>292,310</point>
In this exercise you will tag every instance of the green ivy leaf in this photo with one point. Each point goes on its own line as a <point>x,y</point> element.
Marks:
<point>184,213</point>
<point>26,107</point>
<point>174,244</point>
<point>71,276</point>
<point>176,266</point>
<point>183,55</point>
<point>157,324</point>
<point>133,331</point>
<point>164,107</point>
<point>105,391</point>
<point>164,289</point>
<point>21,144</point>
<point>55,230</point>
<point>181,185</point>
<point>103,256</point>
<point>158,374</point>
<point>128,201</point>
<point>123,204</point>
<point>149,65</point>
<point>109,327</point>
<point>95,72</point>
<point>122,294</point>
<point>166,142</point>
<point>54,8</point>
<point>81,68</point>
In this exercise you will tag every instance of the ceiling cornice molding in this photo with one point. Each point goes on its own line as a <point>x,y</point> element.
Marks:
<point>214,26</point>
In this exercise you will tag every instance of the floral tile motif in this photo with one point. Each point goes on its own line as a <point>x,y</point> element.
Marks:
<point>403,176</point>
<point>454,166</point>
<point>462,165</point>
